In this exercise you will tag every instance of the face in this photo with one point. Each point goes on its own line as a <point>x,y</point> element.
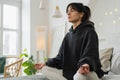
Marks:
<point>73,15</point>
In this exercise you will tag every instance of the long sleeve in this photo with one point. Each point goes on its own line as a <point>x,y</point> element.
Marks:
<point>57,62</point>
<point>90,54</point>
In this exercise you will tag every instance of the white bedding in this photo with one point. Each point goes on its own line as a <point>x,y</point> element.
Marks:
<point>111,77</point>
<point>54,74</point>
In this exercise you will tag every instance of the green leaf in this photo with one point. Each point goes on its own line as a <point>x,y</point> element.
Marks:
<point>34,70</point>
<point>28,71</point>
<point>21,55</point>
<point>31,57</point>
<point>30,63</point>
<point>25,64</point>
<point>25,50</point>
<point>26,55</point>
<point>45,59</point>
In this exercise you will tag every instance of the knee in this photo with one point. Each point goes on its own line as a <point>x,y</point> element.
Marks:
<point>79,76</point>
<point>90,76</point>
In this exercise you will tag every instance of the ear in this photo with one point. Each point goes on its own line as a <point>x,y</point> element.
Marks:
<point>81,14</point>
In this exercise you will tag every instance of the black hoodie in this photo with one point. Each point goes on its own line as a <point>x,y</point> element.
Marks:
<point>79,46</point>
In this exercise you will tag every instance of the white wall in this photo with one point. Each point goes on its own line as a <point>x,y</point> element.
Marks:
<point>106,15</point>
<point>39,18</point>
<point>33,17</point>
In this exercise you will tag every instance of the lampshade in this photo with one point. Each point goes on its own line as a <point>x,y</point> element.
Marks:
<point>57,13</point>
<point>40,39</point>
<point>41,4</point>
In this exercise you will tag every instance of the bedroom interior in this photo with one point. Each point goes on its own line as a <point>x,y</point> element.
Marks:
<point>42,33</point>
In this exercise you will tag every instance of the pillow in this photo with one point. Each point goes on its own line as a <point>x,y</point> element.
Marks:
<point>115,63</point>
<point>105,57</point>
<point>2,64</point>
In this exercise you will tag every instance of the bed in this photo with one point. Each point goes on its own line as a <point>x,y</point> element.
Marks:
<point>32,77</point>
<point>111,77</point>
<point>110,60</point>
<point>114,71</point>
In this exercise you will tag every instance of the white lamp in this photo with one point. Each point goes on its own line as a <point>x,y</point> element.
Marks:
<point>41,5</point>
<point>57,13</point>
<point>40,43</point>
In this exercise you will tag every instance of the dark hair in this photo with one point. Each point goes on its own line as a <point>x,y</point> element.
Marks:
<point>79,7</point>
<point>87,13</point>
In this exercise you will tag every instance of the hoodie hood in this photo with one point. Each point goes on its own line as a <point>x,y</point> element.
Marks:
<point>82,25</point>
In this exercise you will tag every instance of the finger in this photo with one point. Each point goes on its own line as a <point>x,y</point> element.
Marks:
<point>86,70</point>
<point>81,70</point>
<point>41,66</point>
<point>86,67</point>
<point>37,66</point>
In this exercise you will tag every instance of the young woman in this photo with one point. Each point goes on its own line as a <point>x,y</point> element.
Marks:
<point>78,54</point>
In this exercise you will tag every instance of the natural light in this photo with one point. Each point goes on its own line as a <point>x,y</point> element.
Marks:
<point>10,17</point>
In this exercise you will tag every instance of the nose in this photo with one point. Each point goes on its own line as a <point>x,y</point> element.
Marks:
<point>68,13</point>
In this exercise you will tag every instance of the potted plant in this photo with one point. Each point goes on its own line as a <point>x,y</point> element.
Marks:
<point>28,63</point>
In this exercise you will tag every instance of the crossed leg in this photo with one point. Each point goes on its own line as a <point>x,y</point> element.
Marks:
<point>90,76</point>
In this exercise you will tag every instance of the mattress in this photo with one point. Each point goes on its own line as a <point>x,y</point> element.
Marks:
<point>111,77</point>
<point>32,77</point>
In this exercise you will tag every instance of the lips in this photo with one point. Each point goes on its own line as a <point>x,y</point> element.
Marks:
<point>68,17</point>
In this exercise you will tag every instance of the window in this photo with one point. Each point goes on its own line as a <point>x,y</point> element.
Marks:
<point>9,42</point>
<point>10,27</point>
<point>10,17</point>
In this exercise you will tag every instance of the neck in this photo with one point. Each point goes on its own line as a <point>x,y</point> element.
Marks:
<point>75,25</point>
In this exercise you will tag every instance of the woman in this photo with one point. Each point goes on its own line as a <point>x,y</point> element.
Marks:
<point>78,54</point>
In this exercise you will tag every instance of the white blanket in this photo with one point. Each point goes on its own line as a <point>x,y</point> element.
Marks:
<point>52,73</point>
<point>111,77</point>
